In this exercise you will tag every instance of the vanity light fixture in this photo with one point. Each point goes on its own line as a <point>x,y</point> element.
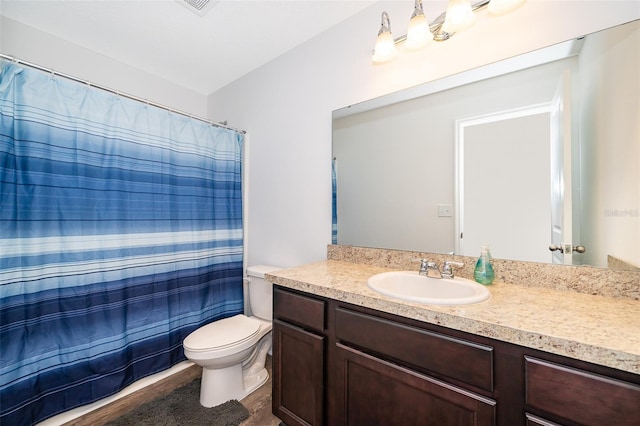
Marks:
<point>460,15</point>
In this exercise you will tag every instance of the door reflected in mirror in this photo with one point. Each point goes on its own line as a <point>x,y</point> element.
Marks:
<point>504,185</point>
<point>549,154</point>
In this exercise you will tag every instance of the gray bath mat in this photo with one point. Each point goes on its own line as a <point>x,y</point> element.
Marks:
<point>182,408</point>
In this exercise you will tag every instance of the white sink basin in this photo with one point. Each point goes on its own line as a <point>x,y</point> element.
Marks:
<point>408,285</point>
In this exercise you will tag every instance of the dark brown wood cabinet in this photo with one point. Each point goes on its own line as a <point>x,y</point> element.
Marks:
<point>469,363</point>
<point>298,359</point>
<point>341,364</point>
<point>373,391</point>
<point>576,396</point>
<point>298,371</point>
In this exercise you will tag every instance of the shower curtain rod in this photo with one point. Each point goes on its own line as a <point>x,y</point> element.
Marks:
<point>116,92</point>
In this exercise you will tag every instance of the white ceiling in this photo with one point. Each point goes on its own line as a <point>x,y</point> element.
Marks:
<point>164,38</point>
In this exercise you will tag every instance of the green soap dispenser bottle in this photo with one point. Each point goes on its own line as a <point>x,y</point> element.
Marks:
<point>483,273</point>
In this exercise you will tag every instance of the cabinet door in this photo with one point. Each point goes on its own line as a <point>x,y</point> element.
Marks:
<point>371,392</point>
<point>298,365</point>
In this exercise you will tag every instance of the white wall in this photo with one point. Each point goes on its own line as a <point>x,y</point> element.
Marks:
<point>35,46</point>
<point>286,105</point>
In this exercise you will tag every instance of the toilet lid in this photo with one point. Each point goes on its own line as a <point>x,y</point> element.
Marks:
<point>221,333</point>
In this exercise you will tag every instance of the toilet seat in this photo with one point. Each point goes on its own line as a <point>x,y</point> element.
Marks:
<point>222,334</point>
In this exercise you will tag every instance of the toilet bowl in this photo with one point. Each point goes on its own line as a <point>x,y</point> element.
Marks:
<point>232,351</point>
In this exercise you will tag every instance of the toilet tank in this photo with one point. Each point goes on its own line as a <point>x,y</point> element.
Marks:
<point>260,291</point>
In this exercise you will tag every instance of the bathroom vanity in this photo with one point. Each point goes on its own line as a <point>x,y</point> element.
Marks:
<point>344,354</point>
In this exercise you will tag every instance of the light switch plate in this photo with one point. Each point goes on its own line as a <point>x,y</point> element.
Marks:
<point>445,210</point>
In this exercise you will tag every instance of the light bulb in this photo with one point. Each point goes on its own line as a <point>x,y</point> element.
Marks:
<point>459,16</point>
<point>385,49</point>
<point>418,34</point>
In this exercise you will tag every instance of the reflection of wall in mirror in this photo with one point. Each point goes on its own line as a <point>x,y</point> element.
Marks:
<point>610,75</point>
<point>605,175</point>
<point>391,200</point>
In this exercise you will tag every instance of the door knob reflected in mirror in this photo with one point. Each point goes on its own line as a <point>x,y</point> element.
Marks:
<point>567,248</point>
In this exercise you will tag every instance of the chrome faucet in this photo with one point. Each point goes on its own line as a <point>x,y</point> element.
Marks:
<point>447,268</point>
<point>429,269</point>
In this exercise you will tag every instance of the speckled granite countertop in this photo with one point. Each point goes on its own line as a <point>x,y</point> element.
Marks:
<point>598,329</point>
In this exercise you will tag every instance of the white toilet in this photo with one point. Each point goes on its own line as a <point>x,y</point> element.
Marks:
<point>232,351</point>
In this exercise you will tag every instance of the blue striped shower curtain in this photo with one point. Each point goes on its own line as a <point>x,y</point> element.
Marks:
<point>120,233</point>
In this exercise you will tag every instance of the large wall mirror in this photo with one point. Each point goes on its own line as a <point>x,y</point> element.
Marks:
<point>538,150</point>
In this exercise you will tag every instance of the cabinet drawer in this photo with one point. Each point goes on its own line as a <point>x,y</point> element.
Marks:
<point>298,309</point>
<point>579,395</point>
<point>458,359</point>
